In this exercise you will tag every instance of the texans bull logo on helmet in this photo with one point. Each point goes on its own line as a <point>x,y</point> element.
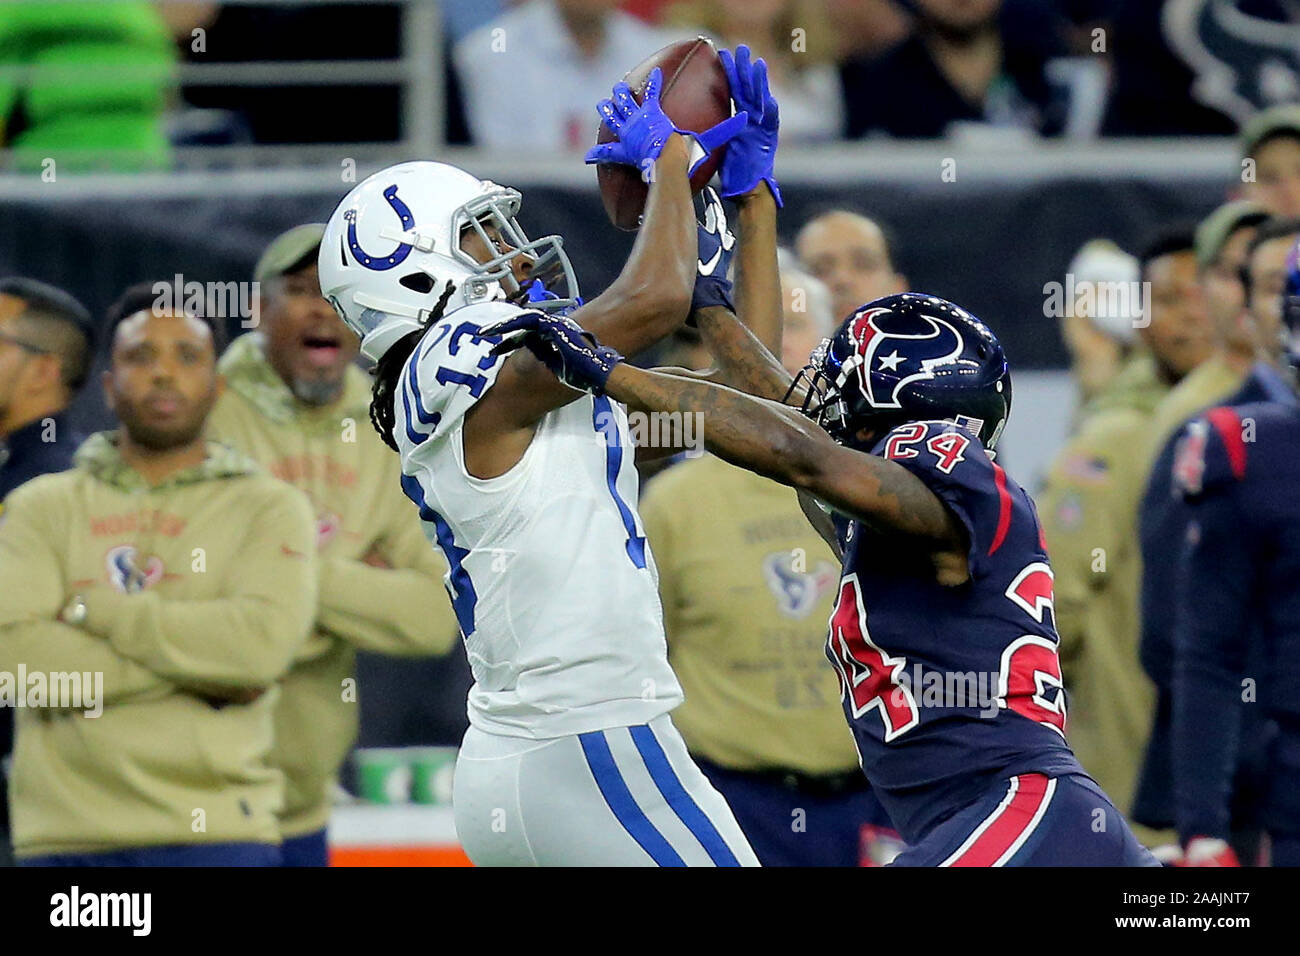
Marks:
<point>876,336</point>
<point>907,357</point>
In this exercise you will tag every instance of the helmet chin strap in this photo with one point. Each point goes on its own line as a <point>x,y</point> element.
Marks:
<point>991,447</point>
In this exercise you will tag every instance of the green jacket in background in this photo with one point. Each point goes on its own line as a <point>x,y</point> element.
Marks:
<point>105,108</point>
<point>747,588</point>
<point>199,591</point>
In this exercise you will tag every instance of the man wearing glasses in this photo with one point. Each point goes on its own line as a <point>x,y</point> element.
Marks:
<point>45,354</point>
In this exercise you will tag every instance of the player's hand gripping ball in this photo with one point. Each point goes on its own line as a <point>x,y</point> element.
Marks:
<point>695,95</point>
<point>643,129</point>
<point>751,156</point>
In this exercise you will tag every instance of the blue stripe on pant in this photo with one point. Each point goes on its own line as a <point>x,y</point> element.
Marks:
<point>620,800</point>
<point>687,810</point>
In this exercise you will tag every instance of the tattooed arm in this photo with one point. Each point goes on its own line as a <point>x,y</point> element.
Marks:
<point>820,520</point>
<point>742,360</point>
<point>775,441</point>
<point>742,350</point>
<point>745,346</point>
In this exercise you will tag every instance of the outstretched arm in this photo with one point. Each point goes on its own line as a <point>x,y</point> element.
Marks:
<point>745,343</point>
<point>745,338</point>
<point>758,279</point>
<point>649,299</point>
<point>777,442</point>
<point>646,302</point>
<point>741,346</point>
<point>765,437</point>
<point>741,359</point>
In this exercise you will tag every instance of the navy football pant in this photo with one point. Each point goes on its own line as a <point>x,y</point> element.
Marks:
<point>1153,803</point>
<point>791,827</point>
<point>1282,809</point>
<point>211,854</point>
<point>1033,820</point>
<point>310,849</point>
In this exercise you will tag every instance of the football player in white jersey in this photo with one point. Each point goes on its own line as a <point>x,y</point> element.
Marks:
<point>529,489</point>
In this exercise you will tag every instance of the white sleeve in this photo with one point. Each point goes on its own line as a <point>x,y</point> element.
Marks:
<point>449,371</point>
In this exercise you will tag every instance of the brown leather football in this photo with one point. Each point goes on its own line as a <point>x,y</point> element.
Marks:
<point>695,96</point>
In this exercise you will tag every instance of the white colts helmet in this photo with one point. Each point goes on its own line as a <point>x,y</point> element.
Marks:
<point>393,244</point>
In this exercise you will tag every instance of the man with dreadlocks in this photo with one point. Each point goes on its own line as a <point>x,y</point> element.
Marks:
<point>295,403</point>
<point>529,489</point>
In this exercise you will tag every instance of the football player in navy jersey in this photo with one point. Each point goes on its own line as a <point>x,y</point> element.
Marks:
<point>1165,513</point>
<point>942,634</point>
<point>1236,632</point>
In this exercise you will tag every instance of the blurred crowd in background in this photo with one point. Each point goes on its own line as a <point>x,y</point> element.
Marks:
<point>843,69</point>
<point>746,583</point>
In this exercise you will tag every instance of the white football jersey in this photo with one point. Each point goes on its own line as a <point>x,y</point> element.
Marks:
<point>551,577</point>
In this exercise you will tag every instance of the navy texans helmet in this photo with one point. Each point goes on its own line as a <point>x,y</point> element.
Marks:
<point>903,358</point>
<point>1291,308</point>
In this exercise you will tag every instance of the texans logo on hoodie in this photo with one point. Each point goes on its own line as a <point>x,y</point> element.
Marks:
<point>127,573</point>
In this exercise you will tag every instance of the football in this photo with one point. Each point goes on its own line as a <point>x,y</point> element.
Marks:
<point>695,96</point>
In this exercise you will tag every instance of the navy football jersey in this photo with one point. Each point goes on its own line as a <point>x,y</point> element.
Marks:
<point>950,689</point>
<point>1236,631</point>
<point>1162,526</point>
<point>1163,519</point>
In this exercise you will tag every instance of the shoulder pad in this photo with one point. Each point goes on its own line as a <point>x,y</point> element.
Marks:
<point>954,465</point>
<point>449,370</point>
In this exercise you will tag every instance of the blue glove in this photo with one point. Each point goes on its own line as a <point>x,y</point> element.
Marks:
<point>643,130</point>
<point>537,292</point>
<point>540,296</point>
<point>716,245</point>
<point>571,353</point>
<point>751,156</point>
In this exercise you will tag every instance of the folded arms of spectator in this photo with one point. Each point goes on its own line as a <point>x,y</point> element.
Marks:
<point>392,602</point>
<point>243,639</point>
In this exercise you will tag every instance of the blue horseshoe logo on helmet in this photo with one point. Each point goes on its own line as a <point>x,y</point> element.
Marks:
<point>382,263</point>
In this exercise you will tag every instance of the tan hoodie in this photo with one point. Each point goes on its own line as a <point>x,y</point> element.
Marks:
<point>197,590</point>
